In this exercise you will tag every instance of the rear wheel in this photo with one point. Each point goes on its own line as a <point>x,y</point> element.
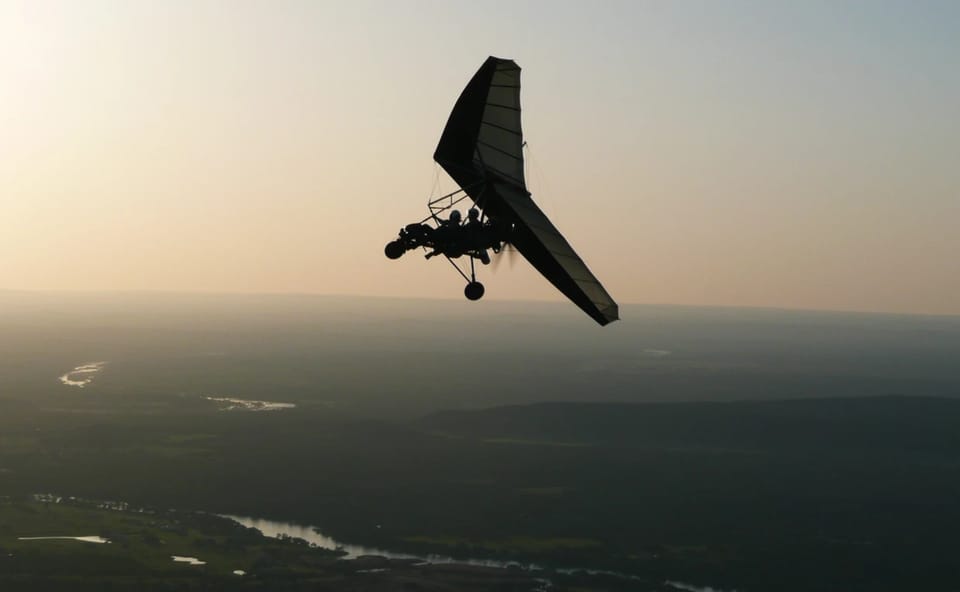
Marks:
<point>473,291</point>
<point>394,250</point>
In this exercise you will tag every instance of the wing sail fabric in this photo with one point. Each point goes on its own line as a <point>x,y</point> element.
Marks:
<point>483,135</point>
<point>482,149</point>
<point>539,241</point>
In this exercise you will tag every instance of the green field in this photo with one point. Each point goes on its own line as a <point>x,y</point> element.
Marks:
<point>822,454</point>
<point>729,495</point>
<point>140,548</point>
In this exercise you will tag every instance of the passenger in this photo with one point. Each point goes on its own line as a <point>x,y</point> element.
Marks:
<point>473,219</point>
<point>475,237</point>
<point>447,237</point>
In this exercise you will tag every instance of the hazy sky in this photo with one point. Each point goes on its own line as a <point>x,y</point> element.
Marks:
<point>801,154</point>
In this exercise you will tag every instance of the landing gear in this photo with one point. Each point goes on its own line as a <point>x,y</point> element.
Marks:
<point>394,250</point>
<point>473,291</point>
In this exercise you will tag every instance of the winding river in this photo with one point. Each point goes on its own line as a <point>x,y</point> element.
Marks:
<point>312,535</point>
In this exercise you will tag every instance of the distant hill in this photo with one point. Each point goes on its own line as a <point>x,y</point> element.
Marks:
<point>878,424</point>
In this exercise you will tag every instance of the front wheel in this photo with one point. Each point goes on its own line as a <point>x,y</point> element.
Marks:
<point>473,291</point>
<point>394,250</point>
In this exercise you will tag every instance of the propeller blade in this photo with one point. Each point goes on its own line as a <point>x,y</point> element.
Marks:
<point>496,259</point>
<point>508,252</point>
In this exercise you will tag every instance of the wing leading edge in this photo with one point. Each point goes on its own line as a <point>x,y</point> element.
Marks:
<point>482,149</point>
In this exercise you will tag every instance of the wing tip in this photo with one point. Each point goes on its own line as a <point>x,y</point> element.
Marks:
<point>607,315</point>
<point>504,61</point>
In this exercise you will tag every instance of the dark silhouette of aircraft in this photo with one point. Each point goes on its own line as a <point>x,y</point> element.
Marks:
<point>482,150</point>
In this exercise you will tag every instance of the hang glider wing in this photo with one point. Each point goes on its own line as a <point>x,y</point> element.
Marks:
<point>482,149</point>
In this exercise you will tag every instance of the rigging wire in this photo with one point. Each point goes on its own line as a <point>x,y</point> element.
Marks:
<point>533,170</point>
<point>436,181</point>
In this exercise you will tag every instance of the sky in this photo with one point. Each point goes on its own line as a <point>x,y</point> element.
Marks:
<point>782,154</point>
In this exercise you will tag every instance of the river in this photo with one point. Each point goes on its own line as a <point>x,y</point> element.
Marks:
<point>312,535</point>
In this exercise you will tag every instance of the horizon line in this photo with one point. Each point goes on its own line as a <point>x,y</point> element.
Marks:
<point>769,308</point>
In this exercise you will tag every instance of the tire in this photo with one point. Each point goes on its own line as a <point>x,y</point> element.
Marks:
<point>473,291</point>
<point>394,250</point>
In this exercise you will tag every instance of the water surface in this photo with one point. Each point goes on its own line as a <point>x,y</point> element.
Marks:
<point>82,375</point>
<point>83,539</point>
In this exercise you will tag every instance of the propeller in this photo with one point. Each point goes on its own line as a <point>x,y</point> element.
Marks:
<point>508,252</point>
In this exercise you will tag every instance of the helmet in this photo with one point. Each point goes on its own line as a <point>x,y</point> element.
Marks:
<point>455,216</point>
